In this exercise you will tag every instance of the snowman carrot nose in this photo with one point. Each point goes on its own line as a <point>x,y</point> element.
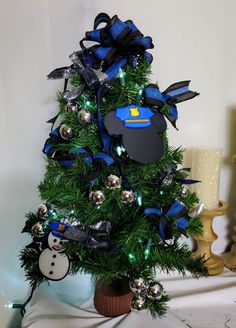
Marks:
<point>57,247</point>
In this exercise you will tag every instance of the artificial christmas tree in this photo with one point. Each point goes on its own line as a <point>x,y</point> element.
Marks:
<point>115,199</point>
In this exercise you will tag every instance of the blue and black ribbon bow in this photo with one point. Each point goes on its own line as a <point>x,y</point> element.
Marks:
<point>175,213</point>
<point>63,157</point>
<point>67,158</point>
<point>118,43</point>
<point>175,93</point>
<point>118,39</point>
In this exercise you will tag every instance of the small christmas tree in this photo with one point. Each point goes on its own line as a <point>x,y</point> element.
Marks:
<point>116,201</point>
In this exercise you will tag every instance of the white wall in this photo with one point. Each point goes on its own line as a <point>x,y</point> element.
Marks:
<point>194,39</point>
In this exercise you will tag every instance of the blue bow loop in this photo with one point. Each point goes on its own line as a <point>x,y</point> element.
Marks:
<point>134,28</point>
<point>148,57</point>
<point>118,30</point>
<point>99,36</point>
<point>182,223</point>
<point>176,211</point>
<point>142,44</point>
<point>178,92</point>
<point>99,19</point>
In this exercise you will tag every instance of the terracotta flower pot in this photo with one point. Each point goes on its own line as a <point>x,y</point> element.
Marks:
<point>114,300</point>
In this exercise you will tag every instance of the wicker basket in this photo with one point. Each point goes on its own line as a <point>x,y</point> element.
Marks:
<point>112,301</point>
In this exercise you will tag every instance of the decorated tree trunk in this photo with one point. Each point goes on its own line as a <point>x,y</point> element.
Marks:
<point>115,201</point>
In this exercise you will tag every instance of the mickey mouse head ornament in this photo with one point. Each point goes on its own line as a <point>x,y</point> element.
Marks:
<point>140,128</point>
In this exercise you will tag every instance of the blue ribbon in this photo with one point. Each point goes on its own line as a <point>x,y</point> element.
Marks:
<point>175,93</point>
<point>117,39</point>
<point>111,72</point>
<point>177,211</point>
<point>66,158</point>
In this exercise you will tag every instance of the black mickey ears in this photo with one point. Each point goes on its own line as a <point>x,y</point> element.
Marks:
<point>140,128</point>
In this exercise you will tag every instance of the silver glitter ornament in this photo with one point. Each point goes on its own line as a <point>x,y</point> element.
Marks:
<point>97,197</point>
<point>74,222</point>
<point>113,182</point>
<point>137,303</point>
<point>71,95</point>
<point>37,229</point>
<point>154,290</point>
<point>42,210</point>
<point>127,196</point>
<point>65,132</point>
<point>70,108</point>
<point>137,285</point>
<point>84,116</point>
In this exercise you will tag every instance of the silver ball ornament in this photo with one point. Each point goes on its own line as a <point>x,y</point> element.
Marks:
<point>127,197</point>
<point>154,290</point>
<point>97,197</point>
<point>84,116</point>
<point>113,182</point>
<point>42,210</point>
<point>185,191</point>
<point>137,303</point>
<point>65,131</point>
<point>71,108</point>
<point>137,285</point>
<point>37,229</point>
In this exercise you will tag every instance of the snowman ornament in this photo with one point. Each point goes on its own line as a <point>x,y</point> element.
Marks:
<point>53,263</point>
